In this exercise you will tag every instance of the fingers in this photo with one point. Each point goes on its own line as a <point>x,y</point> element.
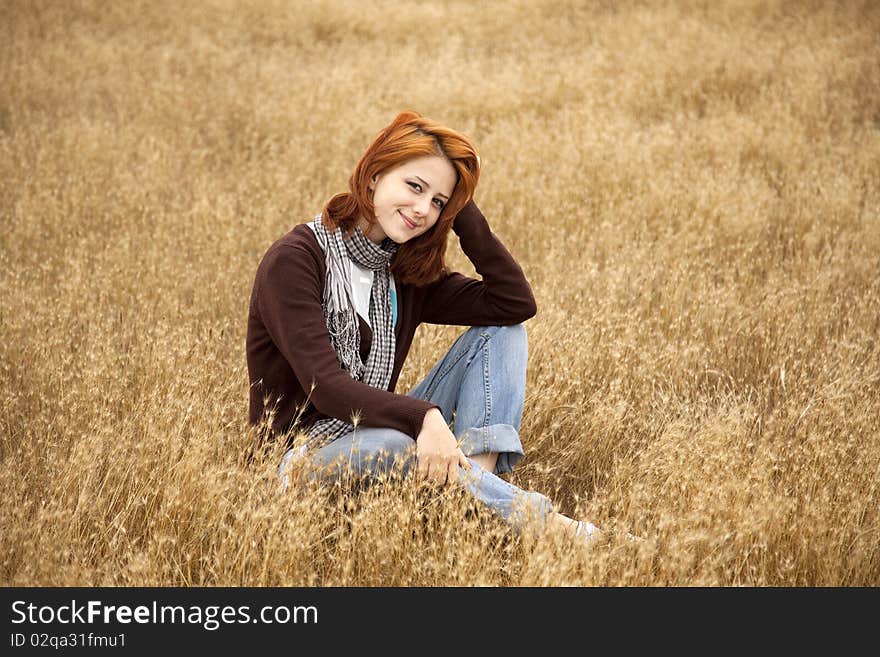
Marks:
<point>431,475</point>
<point>437,473</point>
<point>439,456</point>
<point>441,471</point>
<point>452,473</point>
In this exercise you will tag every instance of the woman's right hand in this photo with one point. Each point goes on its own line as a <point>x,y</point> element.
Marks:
<point>438,452</point>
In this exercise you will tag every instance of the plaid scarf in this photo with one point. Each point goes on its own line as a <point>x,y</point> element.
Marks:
<point>341,318</point>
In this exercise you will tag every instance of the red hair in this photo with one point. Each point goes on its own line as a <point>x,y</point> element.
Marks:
<point>410,135</point>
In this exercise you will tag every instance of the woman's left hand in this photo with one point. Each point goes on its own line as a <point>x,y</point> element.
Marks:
<point>438,452</point>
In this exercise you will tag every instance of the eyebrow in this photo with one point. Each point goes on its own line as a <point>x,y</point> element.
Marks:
<point>425,183</point>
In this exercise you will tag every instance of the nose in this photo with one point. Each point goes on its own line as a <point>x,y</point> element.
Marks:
<point>423,205</point>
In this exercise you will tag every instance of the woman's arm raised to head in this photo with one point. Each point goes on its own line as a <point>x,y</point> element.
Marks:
<point>503,297</point>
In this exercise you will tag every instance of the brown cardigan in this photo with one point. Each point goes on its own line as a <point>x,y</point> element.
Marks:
<point>288,346</point>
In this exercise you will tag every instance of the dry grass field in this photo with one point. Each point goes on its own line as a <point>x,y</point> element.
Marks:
<point>692,188</point>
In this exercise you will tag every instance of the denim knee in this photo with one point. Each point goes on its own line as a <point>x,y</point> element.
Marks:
<point>371,452</point>
<point>380,449</point>
<point>513,337</point>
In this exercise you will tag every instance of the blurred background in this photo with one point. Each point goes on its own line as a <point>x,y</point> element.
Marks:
<point>693,191</point>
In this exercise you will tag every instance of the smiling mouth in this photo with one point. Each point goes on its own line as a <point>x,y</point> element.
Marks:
<point>408,221</point>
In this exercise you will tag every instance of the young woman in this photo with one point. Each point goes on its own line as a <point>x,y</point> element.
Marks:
<point>336,303</point>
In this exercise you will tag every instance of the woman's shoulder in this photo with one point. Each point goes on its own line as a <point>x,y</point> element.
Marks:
<point>300,237</point>
<point>299,245</point>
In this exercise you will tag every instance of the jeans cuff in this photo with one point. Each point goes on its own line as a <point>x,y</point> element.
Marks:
<point>500,438</point>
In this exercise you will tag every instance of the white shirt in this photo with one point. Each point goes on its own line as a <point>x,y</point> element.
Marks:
<point>362,286</point>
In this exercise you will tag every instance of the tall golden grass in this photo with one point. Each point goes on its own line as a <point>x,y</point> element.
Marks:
<point>693,190</point>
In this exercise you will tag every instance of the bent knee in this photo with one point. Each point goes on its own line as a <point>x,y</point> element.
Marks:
<point>514,331</point>
<point>513,335</point>
<point>379,451</point>
<point>375,442</point>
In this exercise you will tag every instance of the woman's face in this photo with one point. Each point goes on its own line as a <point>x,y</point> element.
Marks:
<point>408,198</point>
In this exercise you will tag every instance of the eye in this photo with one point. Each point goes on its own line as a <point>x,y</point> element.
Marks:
<point>418,188</point>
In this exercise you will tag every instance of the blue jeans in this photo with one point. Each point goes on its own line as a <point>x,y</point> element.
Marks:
<point>480,386</point>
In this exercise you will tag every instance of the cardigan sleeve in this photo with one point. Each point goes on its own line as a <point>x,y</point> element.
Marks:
<point>503,297</point>
<point>289,302</point>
